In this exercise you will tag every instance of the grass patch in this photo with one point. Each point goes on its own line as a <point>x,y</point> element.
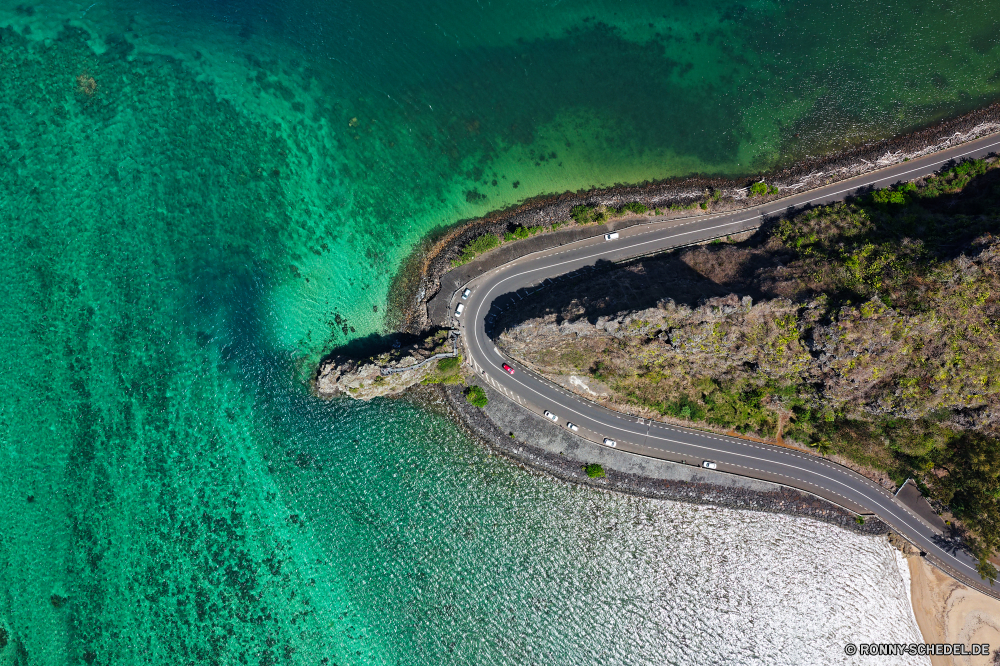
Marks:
<point>447,371</point>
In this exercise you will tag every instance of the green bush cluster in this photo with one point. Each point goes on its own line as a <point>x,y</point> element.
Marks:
<point>488,242</point>
<point>476,396</point>
<point>520,233</point>
<point>594,471</point>
<point>478,246</point>
<point>635,207</point>
<point>760,189</point>
<point>583,214</point>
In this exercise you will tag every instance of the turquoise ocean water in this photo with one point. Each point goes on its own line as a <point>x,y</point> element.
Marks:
<point>198,199</point>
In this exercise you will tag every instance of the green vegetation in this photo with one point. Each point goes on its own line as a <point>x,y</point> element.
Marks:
<point>476,396</point>
<point>488,242</point>
<point>873,336</point>
<point>583,214</point>
<point>446,371</point>
<point>761,189</point>
<point>594,471</point>
<point>599,214</point>
<point>484,243</point>
<point>520,233</point>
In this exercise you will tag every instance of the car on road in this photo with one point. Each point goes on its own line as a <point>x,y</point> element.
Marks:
<point>550,416</point>
<point>572,426</point>
<point>611,236</point>
<point>708,464</point>
<point>508,368</point>
<point>610,442</point>
<point>458,310</point>
<point>465,294</point>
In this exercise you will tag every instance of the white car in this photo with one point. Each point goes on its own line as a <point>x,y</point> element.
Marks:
<point>550,416</point>
<point>465,294</point>
<point>708,464</point>
<point>458,310</point>
<point>610,442</point>
<point>611,236</point>
<point>572,426</point>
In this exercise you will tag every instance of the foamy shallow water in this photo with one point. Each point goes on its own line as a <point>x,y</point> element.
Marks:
<point>770,589</point>
<point>683,584</point>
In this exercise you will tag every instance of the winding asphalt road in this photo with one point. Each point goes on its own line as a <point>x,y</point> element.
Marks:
<point>510,283</point>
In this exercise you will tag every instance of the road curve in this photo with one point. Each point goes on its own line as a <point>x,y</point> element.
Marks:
<point>508,284</point>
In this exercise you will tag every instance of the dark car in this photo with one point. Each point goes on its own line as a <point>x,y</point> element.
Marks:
<point>508,368</point>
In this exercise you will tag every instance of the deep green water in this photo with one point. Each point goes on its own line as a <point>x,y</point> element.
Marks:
<point>180,246</point>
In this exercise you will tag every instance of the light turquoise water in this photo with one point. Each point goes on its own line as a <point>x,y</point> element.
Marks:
<point>232,199</point>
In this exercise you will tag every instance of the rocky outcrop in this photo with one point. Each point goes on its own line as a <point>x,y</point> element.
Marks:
<point>385,372</point>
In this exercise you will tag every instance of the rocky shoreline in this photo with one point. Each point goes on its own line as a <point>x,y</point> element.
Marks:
<point>735,493</point>
<point>419,278</point>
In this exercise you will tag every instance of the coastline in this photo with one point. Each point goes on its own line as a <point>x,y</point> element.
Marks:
<point>945,610</point>
<point>419,278</point>
<point>558,454</point>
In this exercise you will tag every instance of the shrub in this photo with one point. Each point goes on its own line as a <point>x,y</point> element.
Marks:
<point>758,189</point>
<point>594,471</point>
<point>860,520</point>
<point>888,197</point>
<point>476,396</point>
<point>704,205</point>
<point>635,207</point>
<point>582,214</point>
<point>482,244</point>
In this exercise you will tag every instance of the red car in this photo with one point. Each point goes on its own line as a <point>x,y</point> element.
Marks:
<point>508,368</point>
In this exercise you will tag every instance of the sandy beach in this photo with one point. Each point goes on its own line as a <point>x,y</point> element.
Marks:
<point>949,612</point>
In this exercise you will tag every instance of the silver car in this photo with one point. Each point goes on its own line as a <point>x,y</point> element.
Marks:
<point>465,294</point>
<point>610,442</point>
<point>550,416</point>
<point>572,426</point>
<point>708,464</point>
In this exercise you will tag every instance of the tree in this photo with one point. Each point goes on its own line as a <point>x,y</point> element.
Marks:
<point>972,490</point>
<point>822,447</point>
